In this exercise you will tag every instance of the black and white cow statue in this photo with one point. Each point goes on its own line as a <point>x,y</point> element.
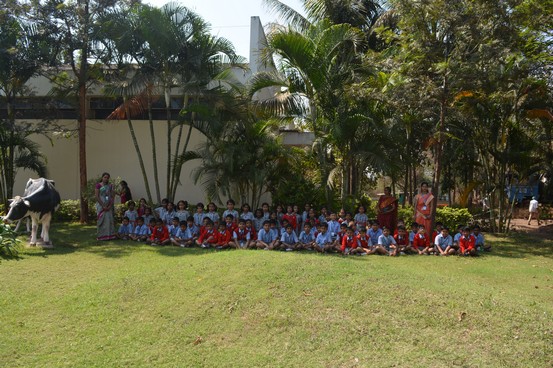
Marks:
<point>39,202</point>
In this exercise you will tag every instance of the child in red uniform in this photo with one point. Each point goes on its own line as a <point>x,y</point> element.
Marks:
<point>349,242</point>
<point>364,243</point>
<point>250,229</point>
<point>402,239</point>
<point>160,234</point>
<point>207,235</point>
<point>241,236</point>
<point>421,243</point>
<point>290,216</point>
<point>222,236</point>
<point>467,243</point>
<point>231,223</point>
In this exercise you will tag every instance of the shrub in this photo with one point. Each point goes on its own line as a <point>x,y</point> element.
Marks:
<point>8,241</point>
<point>70,210</point>
<point>451,217</point>
<point>406,214</point>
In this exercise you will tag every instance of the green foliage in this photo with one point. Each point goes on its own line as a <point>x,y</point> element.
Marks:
<point>8,241</point>
<point>451,217</point>
<point>70,211</point>
<point>406,214</point>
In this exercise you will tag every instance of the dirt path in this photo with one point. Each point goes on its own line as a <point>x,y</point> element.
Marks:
<point>544,230</point>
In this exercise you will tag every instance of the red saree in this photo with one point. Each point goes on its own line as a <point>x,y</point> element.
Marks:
<point>387,212</point>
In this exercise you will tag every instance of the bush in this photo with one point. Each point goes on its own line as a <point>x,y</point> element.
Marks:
<point>70,211</point>
<point>451,217</point>
<point>406,214</point>
<point>8,241</point>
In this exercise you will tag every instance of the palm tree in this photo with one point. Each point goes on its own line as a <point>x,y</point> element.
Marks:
<point>20,59</point>
<point>316,66</point>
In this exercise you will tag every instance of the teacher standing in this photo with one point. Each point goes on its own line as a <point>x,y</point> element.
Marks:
<point>424,201</point>
<point>105,196</point>
<point>387,210</point>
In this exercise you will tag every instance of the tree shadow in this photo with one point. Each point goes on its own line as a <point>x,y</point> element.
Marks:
<point>521,245</point>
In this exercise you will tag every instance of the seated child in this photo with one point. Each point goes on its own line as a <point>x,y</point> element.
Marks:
<point>241,237</point>
<point>386,244</point>
<point>141,231</point>
<point>402,239</point>
<point>183,237</point>
<point>288,240</point>
<point>251,230</point>
<point>148,216</point>
<point>207,236</point>
<point>231,224</point>
<point>349,242</point>
<point>444,243</point>
<point>131,213</point>
<point>125,230</point>
<point>480,246</point>
<point>274,228</point>
<point>173,228</point>
<point>307,238</point>
<point>457,236</point>
<point>223,237</point>
<point>364,246</point>
<point>413,232</point>
<point>437,231</point>
<point>193,229</point>
<point>421,243</point>
<point>333,226</point>
<point>265,238</point>
<point>374,232</point>
<point>323,241</point>
<point>467,243</point>
<point>160,234</point>
<point>340,236</point>
<point>399,223</point>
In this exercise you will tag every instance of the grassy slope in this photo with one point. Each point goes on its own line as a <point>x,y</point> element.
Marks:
<point>120,304</point>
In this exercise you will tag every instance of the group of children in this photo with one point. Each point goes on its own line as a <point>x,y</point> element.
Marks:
<point>290,231</point>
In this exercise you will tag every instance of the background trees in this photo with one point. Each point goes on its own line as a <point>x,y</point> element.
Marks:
<point>455,92</point>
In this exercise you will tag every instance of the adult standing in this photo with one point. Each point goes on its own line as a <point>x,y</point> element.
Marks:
<point>105,196</point>
<point>387,210</point>
<point>424,201</point>
<point>533,209</point>
<point>125,192</point>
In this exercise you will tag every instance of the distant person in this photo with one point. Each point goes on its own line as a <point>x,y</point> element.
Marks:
<point>105,196</point>
<point>424,201</point>
<point>387,210</point>
<point>124,192</point>
<point>533,209</point>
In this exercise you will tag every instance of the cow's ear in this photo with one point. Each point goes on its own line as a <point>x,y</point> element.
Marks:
<point>11,200</point>
<point>27,203</point>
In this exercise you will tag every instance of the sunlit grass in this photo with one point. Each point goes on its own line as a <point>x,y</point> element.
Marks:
<point>90,304</point>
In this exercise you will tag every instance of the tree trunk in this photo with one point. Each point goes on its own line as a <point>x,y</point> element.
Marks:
<point>137,149</point>
<point>167,93</point>
<point>154,148</point>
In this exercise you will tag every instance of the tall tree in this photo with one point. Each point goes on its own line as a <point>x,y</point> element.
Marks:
<point>73,25</point>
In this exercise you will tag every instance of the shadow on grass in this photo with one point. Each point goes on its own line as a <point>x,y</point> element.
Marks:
<point>521,245</point>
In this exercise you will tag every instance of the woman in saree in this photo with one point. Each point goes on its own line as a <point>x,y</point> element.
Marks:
<point>387,210</point>
<point>424,201</point>
<point>105,196</point>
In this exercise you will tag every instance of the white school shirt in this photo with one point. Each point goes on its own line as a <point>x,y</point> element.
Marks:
<point>291,238</point>
<point>247,216</point>
<point>182,215</point>
<point>442,242</point>
<point>323,238</point>
<point>234,214</point>
<point>533,206</point>
<point>199,218</point>
<point>333,227</point>
<point>214,216</point>
<point>142,230</point>
<point>183,234</point>
<point>132,215</point>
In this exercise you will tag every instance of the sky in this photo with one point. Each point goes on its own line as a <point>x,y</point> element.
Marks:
<point>231,19</point>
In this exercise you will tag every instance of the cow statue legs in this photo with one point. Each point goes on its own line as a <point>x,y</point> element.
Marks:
<point>45,220</point>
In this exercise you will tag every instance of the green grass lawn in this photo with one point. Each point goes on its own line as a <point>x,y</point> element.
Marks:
<point>118,304</point>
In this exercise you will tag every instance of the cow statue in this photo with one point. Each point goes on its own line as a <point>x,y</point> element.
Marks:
<point>39,202</point>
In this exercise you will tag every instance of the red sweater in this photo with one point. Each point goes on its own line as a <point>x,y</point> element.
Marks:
<point>292,220</point>
<point>205,234</point>
<point>404,240</point>
<point>162,234</point>
<point>466,243</point>
<point>421,241</point>
<point>363,241</point>
<point>349,242</point>
<point>223,238</point>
